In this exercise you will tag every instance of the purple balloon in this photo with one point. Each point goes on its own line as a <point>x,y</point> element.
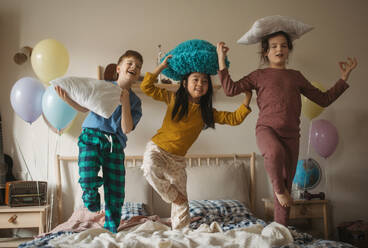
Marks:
<point>26,98</point>
<point>324,137</point>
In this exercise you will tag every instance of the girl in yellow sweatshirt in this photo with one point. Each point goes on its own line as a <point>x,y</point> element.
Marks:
<point>189,111</point>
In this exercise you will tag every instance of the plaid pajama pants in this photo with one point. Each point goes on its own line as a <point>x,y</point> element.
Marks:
<point>98,149</point>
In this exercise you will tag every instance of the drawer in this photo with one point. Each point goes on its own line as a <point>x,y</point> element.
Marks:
<point>21,219</point>
<point>306,211</point>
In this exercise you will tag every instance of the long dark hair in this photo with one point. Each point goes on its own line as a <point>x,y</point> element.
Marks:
<point>265,46</point>
<point>182,101</point>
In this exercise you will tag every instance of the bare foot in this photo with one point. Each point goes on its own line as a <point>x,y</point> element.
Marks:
<point>180,199</point>
<point>284,199</point>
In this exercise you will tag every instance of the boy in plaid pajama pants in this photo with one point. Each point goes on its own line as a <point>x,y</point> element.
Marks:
<point>95,149</point>
<point>102,143</point>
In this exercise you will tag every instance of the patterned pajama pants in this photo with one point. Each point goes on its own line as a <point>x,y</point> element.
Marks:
<point>98,149</point>
<point>166,174</point>
<point>280,159</point>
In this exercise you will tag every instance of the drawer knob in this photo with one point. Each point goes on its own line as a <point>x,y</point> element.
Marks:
<point>13,219</point>
<point>303,210</point>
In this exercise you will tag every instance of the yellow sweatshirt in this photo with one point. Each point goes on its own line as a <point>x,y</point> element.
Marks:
<point>177,137</point>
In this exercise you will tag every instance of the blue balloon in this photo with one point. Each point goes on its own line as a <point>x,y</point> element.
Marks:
<point>57,112</point>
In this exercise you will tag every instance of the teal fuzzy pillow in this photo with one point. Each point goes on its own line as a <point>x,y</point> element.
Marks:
<point>192,56</point>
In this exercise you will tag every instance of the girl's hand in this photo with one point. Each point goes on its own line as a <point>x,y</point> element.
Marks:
<point>124,95</point>
<point>222,50</point>
<point>347,67</point>
<point>62,93</point>
<point>248,98</point>
<point>164,64</point>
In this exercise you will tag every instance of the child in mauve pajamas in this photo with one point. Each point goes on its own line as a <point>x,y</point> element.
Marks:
<point>278,97</point>
<point>102,143</point>
<point>189,111</point>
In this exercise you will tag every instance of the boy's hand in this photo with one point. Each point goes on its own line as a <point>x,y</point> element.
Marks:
<point>126,114</point>
<point>248,98</point>
<point>62,93</point>
<point>124,95</point>
<point>347,67</point>
<point>64,96</point>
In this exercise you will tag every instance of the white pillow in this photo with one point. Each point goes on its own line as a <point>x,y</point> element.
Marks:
<point>137,189</point>
<point>272,24</point>
<point>228,180</point>
<point>100,96</point>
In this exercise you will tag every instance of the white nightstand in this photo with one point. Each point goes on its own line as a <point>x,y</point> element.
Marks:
<point>23,217</point>
<point>304,209</point>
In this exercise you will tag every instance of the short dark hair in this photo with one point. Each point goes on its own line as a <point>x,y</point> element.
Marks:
<point>265,46</point>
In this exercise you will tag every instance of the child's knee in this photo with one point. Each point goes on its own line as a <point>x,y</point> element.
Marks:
<point>90,183</point>
<point>149,169</point>
<point>92,201</point>
<point>275,154</point>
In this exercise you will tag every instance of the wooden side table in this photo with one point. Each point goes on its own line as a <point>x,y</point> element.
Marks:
<point>304,209</point>
<point>23,217</point>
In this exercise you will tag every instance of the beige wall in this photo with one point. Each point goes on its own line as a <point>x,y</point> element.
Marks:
<point>98,32</point>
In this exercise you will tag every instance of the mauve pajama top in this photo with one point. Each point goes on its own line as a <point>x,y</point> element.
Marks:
<point>278,96</point>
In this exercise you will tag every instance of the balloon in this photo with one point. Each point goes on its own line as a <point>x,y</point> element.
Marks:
<point>49,60</point>
<point>309,108</point>
<point>26,98</point>
<point>57,112</point>
<point>324,137</point>
<point>58,131</point>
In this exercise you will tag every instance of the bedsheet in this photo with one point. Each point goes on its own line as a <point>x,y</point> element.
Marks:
<point>153,232</point>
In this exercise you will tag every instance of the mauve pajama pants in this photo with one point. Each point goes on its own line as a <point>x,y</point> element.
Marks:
<point>280,159</point>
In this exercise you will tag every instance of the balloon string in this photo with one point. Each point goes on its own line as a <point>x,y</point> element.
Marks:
<point>326,178</point>
<point>53,188</point>
<point>306,161</point>
<point>306,167</point>
<point>49,212</point>
<point>24,161</point>
<point>47,179</point>
<point>34,152</point>
<point>35,166</point>
<point>309,138</point>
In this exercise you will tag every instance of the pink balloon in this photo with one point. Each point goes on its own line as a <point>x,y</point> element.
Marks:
<point>324,137</point>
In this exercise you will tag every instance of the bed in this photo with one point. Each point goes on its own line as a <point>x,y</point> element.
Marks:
<point>221,190</point>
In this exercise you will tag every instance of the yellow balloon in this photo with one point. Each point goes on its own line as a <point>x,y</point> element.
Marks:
<point>49,60</point>
<point>309,108</point>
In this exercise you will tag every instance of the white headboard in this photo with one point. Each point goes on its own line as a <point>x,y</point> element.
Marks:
<point>226,175</point>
